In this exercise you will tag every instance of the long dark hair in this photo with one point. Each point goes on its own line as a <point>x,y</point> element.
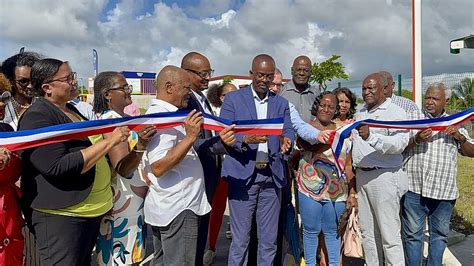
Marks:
<point>43,72</point>
<point>103,81</point>
<point>352,98</point>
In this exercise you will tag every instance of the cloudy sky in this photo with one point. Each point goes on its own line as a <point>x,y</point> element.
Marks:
<point>145,35</point>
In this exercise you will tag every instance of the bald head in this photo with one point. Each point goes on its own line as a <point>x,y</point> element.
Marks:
<point>193,59</point>
<point>302,59</point>
<point>387,83</point>
<point>263,70</point>
<point>199,70</point>
<point>301,71</point>
<point>173,86</point>
<point>373,90</point>
<point>263,60</point>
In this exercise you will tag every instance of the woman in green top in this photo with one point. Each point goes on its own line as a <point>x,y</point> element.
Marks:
<point>66,186</point>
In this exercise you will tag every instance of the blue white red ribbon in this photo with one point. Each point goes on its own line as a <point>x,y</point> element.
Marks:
<point>437,124</point>
<point>25,139</point>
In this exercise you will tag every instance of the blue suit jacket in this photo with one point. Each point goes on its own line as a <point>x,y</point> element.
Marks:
<point>239,164</point>
<point>209,150</point>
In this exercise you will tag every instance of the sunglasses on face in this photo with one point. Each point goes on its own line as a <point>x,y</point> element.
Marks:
<point>5,96</point>
<point>202,74</point>
<point>23,82</point>
<point>128,89</point>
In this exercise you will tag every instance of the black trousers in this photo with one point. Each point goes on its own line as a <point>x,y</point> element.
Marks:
<point>64,240</point>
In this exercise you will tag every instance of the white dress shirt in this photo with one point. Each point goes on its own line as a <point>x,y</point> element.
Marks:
<point>181,188</point>
<point>384,147</point>
<point>261,108</point>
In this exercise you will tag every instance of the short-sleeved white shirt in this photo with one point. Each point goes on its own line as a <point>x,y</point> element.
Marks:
<point>181,188</point>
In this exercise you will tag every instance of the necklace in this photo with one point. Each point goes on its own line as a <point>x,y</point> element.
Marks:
<point>19,108</point>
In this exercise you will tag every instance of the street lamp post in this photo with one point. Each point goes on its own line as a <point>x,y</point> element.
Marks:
<point>467,42</point>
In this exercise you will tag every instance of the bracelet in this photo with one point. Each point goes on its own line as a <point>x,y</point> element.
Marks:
<point>354,195</point>
<point>462,141</point>
<point>137,150</point>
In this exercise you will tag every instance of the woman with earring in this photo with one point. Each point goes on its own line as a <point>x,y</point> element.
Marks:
<point>66,185</point>
<point>122,232</point>
<point>17,69</point>
<point>347,106</point>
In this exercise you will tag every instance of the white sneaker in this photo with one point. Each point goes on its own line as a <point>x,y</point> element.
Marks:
<point>209,257</point>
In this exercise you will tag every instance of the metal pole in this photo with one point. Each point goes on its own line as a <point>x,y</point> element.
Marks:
<point>339,84</point>
<point>416,53</point>
<point>399,85</point>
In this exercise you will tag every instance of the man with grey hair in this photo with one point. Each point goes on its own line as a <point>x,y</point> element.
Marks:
<point>277,83</point>
<point>406,104</point>
<point>377,158</point>
<point>431,165</point>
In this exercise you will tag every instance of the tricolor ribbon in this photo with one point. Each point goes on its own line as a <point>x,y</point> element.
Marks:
<point>436,124</point>
<point>25,139</point>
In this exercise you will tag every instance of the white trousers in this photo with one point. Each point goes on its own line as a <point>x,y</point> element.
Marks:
<point>379,194</point>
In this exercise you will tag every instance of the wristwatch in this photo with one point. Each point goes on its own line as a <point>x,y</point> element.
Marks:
<point>463,140</point>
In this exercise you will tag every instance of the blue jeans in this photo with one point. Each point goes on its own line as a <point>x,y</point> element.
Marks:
<point>415,210</point>
<point>320,216</point>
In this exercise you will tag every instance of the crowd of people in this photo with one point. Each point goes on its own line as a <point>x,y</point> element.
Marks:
<point>98,194</point>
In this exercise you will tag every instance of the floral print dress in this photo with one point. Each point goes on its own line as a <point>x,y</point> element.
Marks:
<point>319,177</point>
<point>123,231</point>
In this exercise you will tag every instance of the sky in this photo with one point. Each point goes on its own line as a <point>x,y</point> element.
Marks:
<point>145,35</point>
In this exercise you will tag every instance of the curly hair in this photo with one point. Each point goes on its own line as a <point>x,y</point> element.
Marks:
<point>215,92</point>
<point>317,102</point>
<point>352,98</point>
<point>4,83</point>
<point>18,60</point>
<point>103,81</point>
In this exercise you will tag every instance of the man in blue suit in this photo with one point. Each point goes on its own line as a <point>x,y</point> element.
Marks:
<point>254,166</point>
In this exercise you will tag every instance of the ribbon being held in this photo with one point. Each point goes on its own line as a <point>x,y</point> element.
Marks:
<point>436,124</point>
<point>41,136</point>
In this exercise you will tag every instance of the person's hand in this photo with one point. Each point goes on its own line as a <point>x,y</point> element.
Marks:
<point>423,135</point>
<point>255,139</point>
<point>145,135</point>
<point>364,131</point>
<point>453,131</point>
<point>352,202</point>
<point>285,144</point>
<point>5,157</point>
<point>120,134</point>
<point>227,135</point>
<point>324,136</point>
<point>192,124</point>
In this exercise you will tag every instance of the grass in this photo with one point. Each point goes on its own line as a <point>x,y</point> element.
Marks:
<point>463,216</point>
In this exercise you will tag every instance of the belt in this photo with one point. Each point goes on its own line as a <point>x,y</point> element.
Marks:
<point>261,166</point>
<point>368,168</point>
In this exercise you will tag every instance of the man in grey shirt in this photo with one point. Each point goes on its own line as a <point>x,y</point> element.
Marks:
<point>298,91</point>
<point>377,158</point>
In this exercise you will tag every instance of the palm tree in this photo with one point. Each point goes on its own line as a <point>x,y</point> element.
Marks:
<point>464,93</point>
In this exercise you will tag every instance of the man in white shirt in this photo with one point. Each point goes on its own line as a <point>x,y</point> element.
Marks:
<point>176,198</point>
<point>377,158</point>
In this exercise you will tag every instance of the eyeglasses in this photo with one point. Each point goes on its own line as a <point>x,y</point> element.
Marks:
<point>5,96</point>
<point>128,89</point>
<point>69,79</point>
<point>203,74</point>
<point>280,85</point>
<point>23,82</point>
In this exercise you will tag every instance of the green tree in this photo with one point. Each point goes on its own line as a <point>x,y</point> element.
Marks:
<point>227,80</point>
<point>327,71</point>
<point>463,95</point>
